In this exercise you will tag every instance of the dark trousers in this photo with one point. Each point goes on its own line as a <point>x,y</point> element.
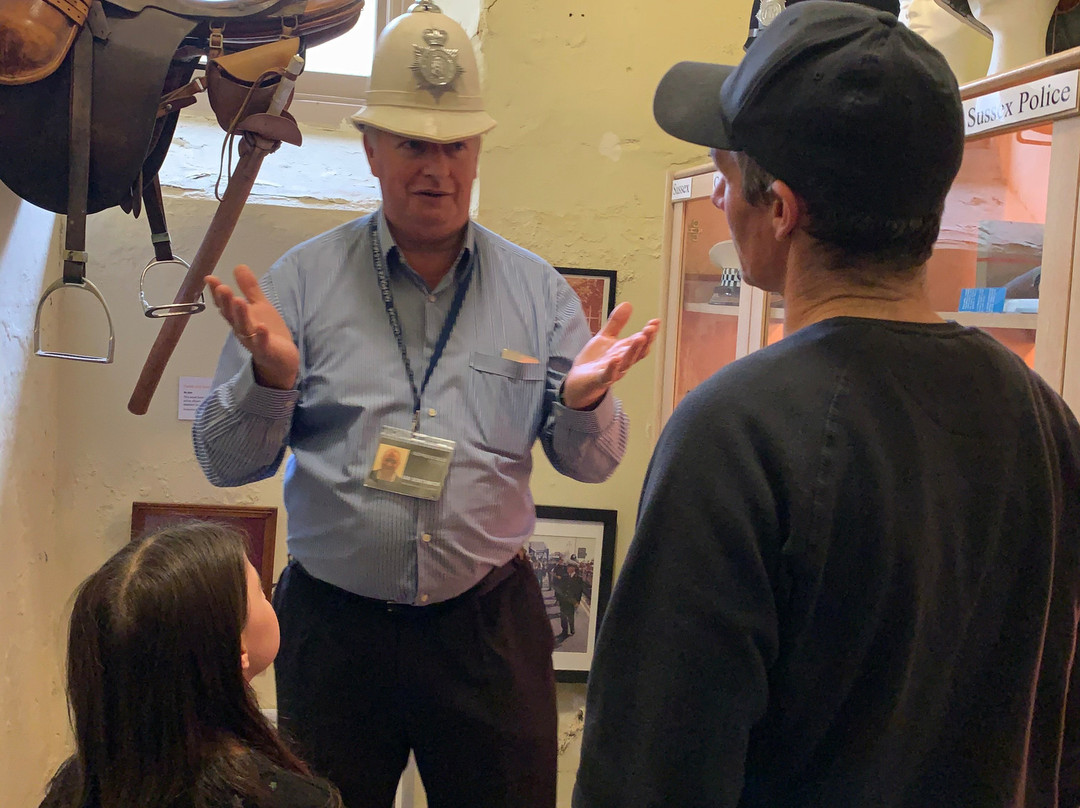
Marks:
<point>467,685</point>
<point>566,617</point>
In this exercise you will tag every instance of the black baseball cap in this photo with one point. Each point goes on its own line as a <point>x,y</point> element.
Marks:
<point>892,6</point>
<point>843,103</point>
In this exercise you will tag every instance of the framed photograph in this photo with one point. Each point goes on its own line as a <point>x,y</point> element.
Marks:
<point>596,288</point>
<point>257,524</point>
<point>572,552</point>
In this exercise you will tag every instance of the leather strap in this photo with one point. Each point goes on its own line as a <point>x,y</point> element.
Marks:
<point>181,97</point>
<point>82,66</point>
<point>317,21</point>
<point>155,217</point>
<point>74,10</point>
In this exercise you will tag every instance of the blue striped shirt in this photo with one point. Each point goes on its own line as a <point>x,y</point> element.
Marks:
<point>352,382</point>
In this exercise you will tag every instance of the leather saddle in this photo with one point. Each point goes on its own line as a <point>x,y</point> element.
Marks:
<point>90,93</point>
<point>145,50</point>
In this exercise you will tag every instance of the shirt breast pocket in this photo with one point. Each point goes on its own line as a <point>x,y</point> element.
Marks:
<point>506,398</point>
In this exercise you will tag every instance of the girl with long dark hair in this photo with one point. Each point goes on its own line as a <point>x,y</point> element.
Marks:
<point>163,642</point>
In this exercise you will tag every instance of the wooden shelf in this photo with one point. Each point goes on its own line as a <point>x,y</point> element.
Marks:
<point>724,310</point>
<point>728,310</point>
<point>992,319</point>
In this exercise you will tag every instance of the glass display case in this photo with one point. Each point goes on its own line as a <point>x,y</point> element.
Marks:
<point>709,310</point>
<point>1004,260</point>
<point>992,237</point>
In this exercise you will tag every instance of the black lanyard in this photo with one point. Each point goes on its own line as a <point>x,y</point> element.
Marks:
<point>395,320</point>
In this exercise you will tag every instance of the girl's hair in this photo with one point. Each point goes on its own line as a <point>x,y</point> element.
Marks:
<point>162,713</point>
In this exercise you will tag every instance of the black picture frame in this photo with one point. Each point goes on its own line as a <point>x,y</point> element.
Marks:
<point>596,290</point>
<point>587,535</point>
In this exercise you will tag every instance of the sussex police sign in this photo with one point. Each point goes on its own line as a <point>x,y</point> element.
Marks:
<point>681,189</point>
<point>1049,97</point>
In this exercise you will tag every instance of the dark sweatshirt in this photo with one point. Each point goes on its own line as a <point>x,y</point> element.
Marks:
<point>854,582</point>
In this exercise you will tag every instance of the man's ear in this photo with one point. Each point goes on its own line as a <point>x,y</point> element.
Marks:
<point>788,209</point>
<point>370,137</point>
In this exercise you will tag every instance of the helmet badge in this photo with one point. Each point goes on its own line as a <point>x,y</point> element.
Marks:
<point>436,66</point>
<point>769,10</point>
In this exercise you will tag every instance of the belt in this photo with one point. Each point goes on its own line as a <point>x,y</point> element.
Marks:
<point>486,584</point>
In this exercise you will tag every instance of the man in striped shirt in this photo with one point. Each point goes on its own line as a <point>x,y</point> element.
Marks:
<point>409,621</point>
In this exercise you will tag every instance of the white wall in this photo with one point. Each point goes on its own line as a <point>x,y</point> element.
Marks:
<point>39,569</point>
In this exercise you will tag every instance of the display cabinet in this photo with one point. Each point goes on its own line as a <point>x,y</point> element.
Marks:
<point>710,317</point>
<point>1009,229</point>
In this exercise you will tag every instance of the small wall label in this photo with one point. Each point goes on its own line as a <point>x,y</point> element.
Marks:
<point>193,389</point>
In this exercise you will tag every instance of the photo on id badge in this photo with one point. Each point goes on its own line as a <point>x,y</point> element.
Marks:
<point>410,463</point>
<point>389,463</point>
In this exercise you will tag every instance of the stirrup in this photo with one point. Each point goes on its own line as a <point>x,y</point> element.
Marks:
<point>168,309</point>
<point>88,286</point>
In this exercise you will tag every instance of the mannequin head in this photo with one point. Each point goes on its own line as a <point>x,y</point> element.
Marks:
<point>966,49</point>
<point>1018,27</point>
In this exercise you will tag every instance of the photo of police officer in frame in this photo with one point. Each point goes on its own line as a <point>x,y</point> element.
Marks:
<point>572,553</point>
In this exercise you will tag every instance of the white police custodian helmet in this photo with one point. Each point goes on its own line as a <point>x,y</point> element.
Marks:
<point>424,81</point>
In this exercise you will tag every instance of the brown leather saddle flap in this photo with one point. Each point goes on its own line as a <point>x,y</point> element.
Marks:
<point>36,35</point>
<point>248,66</point>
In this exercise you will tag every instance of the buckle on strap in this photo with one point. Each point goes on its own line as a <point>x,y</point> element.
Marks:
<point>168,309</point>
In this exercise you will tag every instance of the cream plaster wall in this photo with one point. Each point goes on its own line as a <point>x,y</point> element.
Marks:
<point>39,566</point>
<point>575,170</point>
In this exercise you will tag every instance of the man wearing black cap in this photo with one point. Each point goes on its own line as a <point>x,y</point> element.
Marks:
<point>855,579</point>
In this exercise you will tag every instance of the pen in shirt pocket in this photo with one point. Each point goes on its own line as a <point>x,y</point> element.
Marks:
<point>517,356</point>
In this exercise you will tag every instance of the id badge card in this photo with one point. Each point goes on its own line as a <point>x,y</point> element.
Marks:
<point>410,463</point>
